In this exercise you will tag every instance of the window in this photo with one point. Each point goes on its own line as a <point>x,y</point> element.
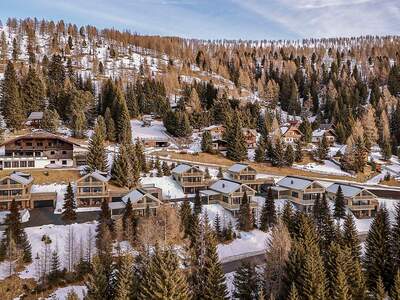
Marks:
<point>295,194</point>
<point>52,152</point>
<point>23,164</point>
<point>64,162</point>
<point>64,152</point>
<point>31,164</point>
<point>15,164</point>
<point>39,144</point>
<point>28,143</point>
<point>52,161</point>
<point>7,164</point>
<point>37,153</point>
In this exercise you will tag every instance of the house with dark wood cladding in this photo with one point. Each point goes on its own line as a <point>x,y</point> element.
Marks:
<point>190,178</point>
<point>40,149</point>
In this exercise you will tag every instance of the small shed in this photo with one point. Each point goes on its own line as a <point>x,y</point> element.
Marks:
<point>35,119</point>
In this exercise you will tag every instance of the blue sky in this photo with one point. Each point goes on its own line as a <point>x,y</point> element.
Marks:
<point>211,19</point>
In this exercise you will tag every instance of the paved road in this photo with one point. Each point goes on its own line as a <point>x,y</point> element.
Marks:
<point>45,215</point>
<point>234,265</point>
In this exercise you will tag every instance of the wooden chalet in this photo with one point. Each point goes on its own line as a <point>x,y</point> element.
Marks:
<point>190,178</point>
<point>290,134</point>
<point>248,175</point>
<point>362,203</point>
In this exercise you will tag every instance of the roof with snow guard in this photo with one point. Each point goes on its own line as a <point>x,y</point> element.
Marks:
<point>35,115</point>
<point>318,132</point>
<point>136,195</point>
<point>100,176</point>
<point>237,168</point>
<point>226,186</point>
<point>296,183</point>
<point>22,178</point>
<point>182,168</point>
<point>209,192</point>
<point>348,190</point>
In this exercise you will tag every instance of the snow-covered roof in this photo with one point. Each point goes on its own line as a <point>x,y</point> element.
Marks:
<point>237,168</point>
<point>21,178</point>
<point>318,132</point>
<point>134,195</point>
<point>100,176</point>
<point>116,205</point>
<point>182,168</point>
<point>213,127</point>
<point>294,182</point>
<point>348,190</point>
<point>225,186</point>
<point>284,129</point>
<point>279,188</point>
<point>209,192</point>
<point>35,115</point>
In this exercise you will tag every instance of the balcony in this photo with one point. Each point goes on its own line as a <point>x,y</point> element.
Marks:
<point>11,197</point>
<point>12,186</point>
<point>92,194</point>
<point>363,207</point>
<point>194,183</point>
<point>89,184</point>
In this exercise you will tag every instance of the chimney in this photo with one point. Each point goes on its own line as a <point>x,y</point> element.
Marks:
<point>291,181</point>
<point>223,185</point>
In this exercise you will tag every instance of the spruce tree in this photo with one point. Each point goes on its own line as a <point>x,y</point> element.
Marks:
<point>110,124</point>
<point>121,115</point>
<point>126,216</point>
<point>122,171</point>
<point>278,155</point>
<point>217,226</point>
<point>206,142</point>
<point>165,169</point>
<point>236,150</point>
<point>69,206</point>
<point>340,206</point>
<point>287,216</point>
<point>379,290</point>
<point>97,282</point>
<point>33,92</point>
<point>298,154</point>
<point>164,278</point>
<point>289,155</point>
<point>97,156</point>
<point>197,204</point>
<point>377,258</point>
<point>395,291</point>
<point>323,148</point>
<point>395,239</point>
<point>246,282</point>
<point>342,290</point>
<point>259,154</point>
<point>245,221</point>
<point>50,121</point>
<point>124,278</point>
<point>268,213</point>
<point>11,103</point>
<point>185,214</point>
<point>220,173</point>
<point>293,294</point>
<point>350,237</point>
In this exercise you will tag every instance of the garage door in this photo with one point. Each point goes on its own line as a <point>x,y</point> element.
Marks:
<point>43,203</point>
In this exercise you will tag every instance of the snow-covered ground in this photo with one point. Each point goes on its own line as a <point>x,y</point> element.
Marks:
<point>170,188</point>
<point>156,130</point>
<point>327,167</point>
<point>61,293</point>
<point>59,237</point>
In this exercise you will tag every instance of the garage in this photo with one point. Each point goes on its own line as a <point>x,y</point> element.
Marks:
<point>43,203</point>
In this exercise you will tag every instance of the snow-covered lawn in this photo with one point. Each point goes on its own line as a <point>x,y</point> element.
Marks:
<point>62,293</point>
<point>170,188</point>
<point>59,236</point>
<point>156,130</point>
<point>327,167</point>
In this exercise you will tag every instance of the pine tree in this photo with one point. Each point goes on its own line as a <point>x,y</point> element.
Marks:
<point>97,283</point>
<point>217,226</point>
<point>69,205</point>
<point>377,258</point>
<point>165,169</point>
<point>395,239</point>
<point>287,216</point>
<point>54,267</point>
<point>124,278</point>
<point>395,291</point>
<point>246,282</point>
<point>268,213</point>
<point>236,149</point>
<point>121,115</point>
<point>163,278</point>
<point>350,237</point>
<point>197,204</point>
<point>245,221</point>
<point>340,206</point>
<point>293,294</point>
<point>78,124</point>
<point>323,148</point>
<point>259,155</point>
<point>33,92</point>
<point>50,121</point>
<point>126,217</point>
<point>342,290</point>
<point>122,171</point>
<point>11,103</point>
<point>207,174</point>
<point>97,156</point>
<point>289,155</point>
<point>298,154</point>
<point>26,248</point>
<point>206,142</point>
<point>185,214</point>
<point>278,155</point>
<point>110,124</point>
<point>379,290</point>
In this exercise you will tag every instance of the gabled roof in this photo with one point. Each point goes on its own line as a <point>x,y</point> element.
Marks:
<point>183,168</point>
<point>35,115</point>
<point>236,168</point>
<point>320,132</point>
<point>226,186</point>
<point>136,195</point>
<point>100,176</point>
<point>22,178</point>
<point>296,183</point>
<point>348,190</point>
<point>214,127</point>
<point>39,134</point>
